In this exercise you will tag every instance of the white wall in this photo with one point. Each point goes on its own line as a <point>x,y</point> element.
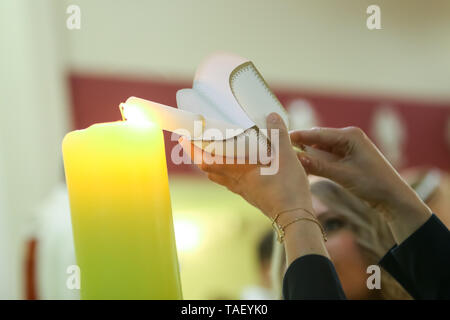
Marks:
<point>5,249</point>
<point>318,44</point>
<point>33,119</point>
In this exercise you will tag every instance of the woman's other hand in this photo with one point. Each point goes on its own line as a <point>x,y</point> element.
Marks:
<point>348,157</point>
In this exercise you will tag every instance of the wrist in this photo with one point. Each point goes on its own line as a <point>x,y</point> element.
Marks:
<point>406,203</point>
<point>303,238</point>
<point>406,214</point>
<point>291,206</point>
<point>283,218</point>
<point>294,217</point>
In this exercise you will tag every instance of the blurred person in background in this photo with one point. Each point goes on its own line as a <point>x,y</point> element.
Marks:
<point>357,238</point>
<point>263,291</point>
<point>55,251</point>
<point>50,249</point>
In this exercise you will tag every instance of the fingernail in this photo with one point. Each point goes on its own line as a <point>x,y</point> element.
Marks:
<point>273,117</point>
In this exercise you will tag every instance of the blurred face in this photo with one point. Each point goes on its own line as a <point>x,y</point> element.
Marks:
<point>344,252</point>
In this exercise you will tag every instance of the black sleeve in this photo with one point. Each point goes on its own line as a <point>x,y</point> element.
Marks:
<point>312,277</point>
<point>421,263</point>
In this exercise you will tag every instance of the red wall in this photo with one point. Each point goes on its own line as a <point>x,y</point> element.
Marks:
<point>96,99</point>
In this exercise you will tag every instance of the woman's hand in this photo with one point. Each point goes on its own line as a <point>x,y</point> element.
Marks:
<point>287,189</point>
<point>348,157</point>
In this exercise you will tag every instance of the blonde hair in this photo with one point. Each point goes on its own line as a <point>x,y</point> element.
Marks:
<point>370,229</point>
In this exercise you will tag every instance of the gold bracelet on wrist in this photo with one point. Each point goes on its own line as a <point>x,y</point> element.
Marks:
<point>295,209</point>
<point>280,230</point>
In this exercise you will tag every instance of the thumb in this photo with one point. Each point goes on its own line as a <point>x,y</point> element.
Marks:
<point>277,130</point>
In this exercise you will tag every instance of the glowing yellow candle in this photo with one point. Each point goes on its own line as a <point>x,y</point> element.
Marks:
<point>121,215</point>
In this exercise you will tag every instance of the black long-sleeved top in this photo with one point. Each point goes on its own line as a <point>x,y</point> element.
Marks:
<point>421,264</point>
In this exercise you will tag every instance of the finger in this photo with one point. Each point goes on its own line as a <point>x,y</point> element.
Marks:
<point>320,165</point>
<point>335,140</point>
<point>204,160</point>
<point>275,122</point>
<point>219,179</point>
<point>213,168</point>
<point>199,156</point>
<point>321,154</point>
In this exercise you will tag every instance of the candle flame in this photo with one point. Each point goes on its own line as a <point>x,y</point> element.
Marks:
<point>134,114</point>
